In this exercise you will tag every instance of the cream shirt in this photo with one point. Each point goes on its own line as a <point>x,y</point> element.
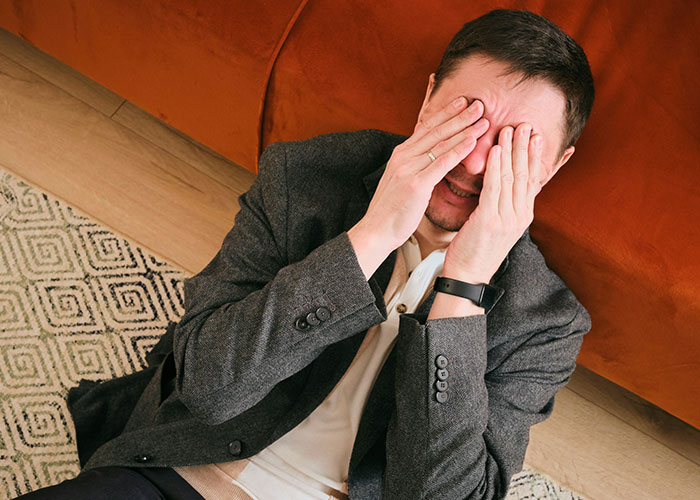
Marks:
<point>316,453</point>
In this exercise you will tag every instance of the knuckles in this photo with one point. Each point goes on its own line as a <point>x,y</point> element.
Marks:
<point>533,184</point>
<point>399,149</point>
<point>413,185</point>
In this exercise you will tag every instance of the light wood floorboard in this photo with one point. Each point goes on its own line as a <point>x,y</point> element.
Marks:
<point>60,74</point>
<point>207,161</point>
<point>67,148</point>
<point>603,457</point>
<point>158,188</point>
<point>639,413</point>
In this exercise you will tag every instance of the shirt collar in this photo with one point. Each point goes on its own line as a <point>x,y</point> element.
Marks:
<point>412,254</point>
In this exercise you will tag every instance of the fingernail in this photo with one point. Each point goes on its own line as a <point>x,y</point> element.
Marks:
<point>504,136</point>
<point>459,102</point>
<point>537,141</point>
<point>481,122</point>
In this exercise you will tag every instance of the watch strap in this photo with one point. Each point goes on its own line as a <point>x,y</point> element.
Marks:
<point>483,295</point>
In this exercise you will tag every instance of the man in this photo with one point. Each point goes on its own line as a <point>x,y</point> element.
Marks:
<point>315,359</point>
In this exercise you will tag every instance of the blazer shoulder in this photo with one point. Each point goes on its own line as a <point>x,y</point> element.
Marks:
<point>537,291</point>
<point>352,153</point>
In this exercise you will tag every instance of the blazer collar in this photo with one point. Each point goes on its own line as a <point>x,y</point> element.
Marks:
<point>371,180</point>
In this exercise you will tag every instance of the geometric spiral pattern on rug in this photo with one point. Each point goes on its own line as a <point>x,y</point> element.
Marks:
<point>530,485</point>
<point>76,301</point>
<point>79,302</point>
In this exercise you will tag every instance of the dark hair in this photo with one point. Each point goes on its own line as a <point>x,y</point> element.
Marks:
<point>535,47</point>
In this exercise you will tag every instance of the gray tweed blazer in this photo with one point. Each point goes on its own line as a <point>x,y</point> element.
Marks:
<point>238,370</point>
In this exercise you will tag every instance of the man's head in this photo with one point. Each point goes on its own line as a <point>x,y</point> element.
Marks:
<point>524,69</point>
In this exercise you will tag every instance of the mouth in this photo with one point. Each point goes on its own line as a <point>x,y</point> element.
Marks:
<point>459,192</point>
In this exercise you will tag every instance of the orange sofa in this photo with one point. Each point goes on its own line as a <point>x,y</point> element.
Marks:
<point>620,223</point>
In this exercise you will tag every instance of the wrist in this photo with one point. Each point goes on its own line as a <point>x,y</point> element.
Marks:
<point>466,275</point>
<point>452,306</point>
<point>370,248</point>
<point>482,295</point>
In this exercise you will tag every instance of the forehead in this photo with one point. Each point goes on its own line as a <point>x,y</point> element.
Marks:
<point>508,98</point>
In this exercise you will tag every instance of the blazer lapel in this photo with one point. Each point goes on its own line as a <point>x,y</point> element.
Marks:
<point>377,412</point>
<point>356,209</point>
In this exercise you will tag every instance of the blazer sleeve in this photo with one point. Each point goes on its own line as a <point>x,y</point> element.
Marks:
<point>470,446</point>
<point>244,328</point>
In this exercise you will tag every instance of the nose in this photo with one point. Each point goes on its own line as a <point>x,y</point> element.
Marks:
<point>475,162</point>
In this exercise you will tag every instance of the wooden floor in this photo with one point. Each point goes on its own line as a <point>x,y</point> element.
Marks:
<point>88,147</point>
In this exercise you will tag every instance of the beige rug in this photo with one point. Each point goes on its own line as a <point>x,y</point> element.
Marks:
<point>78,301</point>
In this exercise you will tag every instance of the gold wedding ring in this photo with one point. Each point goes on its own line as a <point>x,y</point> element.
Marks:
<point>431,156</point>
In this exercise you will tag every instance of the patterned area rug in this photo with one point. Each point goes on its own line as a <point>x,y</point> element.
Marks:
<point>78,301</point>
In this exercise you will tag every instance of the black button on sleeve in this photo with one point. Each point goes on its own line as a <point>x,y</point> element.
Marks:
<point>441,361</point>
<point>323,313</point>
<point>441,397</point>
<point>312,319</point>
<point>301,324</point>
<point>142,459</point>
<point>441,385</point>
<point>234,448</point>
<point>442,374</point>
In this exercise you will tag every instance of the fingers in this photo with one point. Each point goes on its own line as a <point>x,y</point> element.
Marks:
<point>535,167</point>
<point>430,121</point>
<point>491,189</point>
<point>437,132</point>
<point>448,111</point>
<point>521,164</point>
<point>467,136</point>
<point>505,140</point>
<point>450,142</point>
<point>459,148</point>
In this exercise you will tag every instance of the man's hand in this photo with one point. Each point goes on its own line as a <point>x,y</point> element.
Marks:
<point>405,188</point>
<point>505,210</point>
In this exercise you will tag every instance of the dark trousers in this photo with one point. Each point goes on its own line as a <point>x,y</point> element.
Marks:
<point>119,483</point>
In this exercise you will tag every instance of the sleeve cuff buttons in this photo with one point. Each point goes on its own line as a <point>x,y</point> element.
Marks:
<point>314,318</point>
<point>323,313</point>
<point>442,374</point>
<point>441,361</point>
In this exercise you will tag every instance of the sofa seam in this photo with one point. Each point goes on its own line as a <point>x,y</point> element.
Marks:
<point>268,73</point>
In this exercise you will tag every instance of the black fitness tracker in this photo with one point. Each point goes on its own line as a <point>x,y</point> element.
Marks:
<point>482,295</point>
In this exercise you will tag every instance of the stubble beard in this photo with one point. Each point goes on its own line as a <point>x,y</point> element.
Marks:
<point>444,222</point>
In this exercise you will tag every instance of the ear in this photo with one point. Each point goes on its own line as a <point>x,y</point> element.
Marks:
<point>429,90</point>
<point>428,93</point>
<point>551,170</point>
